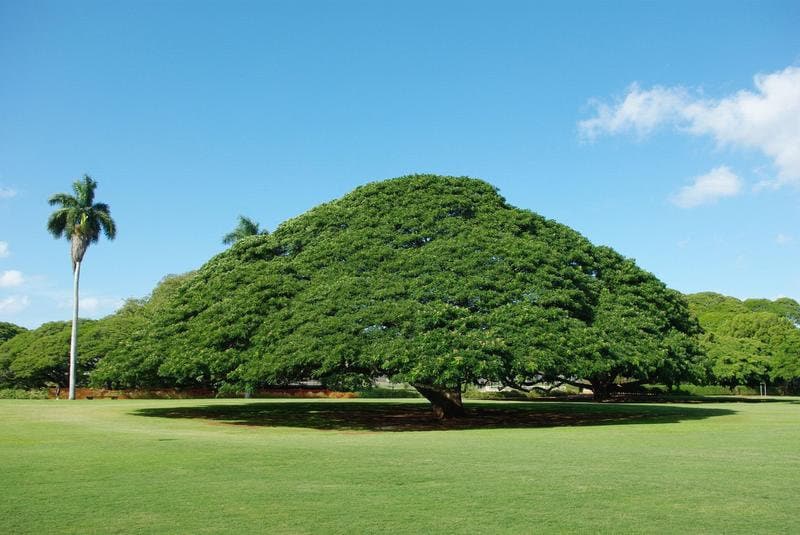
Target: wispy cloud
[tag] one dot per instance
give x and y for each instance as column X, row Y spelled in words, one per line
column 13, row 304
column 640, row 111
column 765, row 119
column 95, row 305
column 783, row 239
column 7, row 193
column 4, row 250
column 718, row 183
column 90, row 305
column 11, row 278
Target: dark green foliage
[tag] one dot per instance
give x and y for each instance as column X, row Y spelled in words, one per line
column 9, row 330
column 639, row 331
column 428, row 280
column 751, row 341
column 40, row 357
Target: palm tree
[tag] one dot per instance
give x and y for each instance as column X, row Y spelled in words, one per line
column 80, row 220
column 246, row 227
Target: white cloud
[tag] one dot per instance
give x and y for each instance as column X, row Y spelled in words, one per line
column 11, row 278
column 100, row 305
column 640, row 111
column 7, row 193
column 91, row 305
column 767, row 119
column 13, row 304
column 717, row 183
column 783, row 239
column 4, row 252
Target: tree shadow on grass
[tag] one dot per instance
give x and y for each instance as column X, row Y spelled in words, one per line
column 377, row 416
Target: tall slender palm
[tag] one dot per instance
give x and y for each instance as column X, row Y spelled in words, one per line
column 246, row 227
column 80, row 220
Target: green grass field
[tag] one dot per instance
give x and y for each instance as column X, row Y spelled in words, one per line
column 286, row 466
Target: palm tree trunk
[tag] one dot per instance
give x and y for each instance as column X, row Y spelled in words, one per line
column 73, row 345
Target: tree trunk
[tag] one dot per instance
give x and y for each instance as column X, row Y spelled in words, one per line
column 73, row 345
column 444, row 403
column 600, row 391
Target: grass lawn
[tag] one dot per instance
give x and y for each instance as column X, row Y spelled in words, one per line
column 287, row 466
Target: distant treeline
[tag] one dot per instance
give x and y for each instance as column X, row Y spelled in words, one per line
column 749, row 342
column 745, row 343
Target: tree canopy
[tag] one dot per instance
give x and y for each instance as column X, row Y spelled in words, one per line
column 40, row 357
column 434, row 281
column 750, row 341
column 9, row 330
column 132, row 359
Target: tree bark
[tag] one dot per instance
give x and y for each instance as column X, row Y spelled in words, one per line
column 444, row 403
column 73, row 344
column 78, row 246
column 600, row 390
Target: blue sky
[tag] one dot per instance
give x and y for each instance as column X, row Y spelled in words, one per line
column 669, row 131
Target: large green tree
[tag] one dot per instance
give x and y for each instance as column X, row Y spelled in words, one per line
column 434, row 281
column 80, row 220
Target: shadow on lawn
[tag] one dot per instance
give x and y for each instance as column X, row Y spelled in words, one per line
column 346, row 416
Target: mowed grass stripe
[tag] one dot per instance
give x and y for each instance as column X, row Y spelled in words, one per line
column 104, row 467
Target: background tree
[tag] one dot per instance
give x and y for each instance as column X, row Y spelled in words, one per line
column 783, row 306
column 246, row 227
column 39, row 358
column 433, row 281
column 80, row 220
column 751, row 341
column 9, row 330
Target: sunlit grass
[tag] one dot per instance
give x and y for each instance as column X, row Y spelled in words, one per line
column 209, row 466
